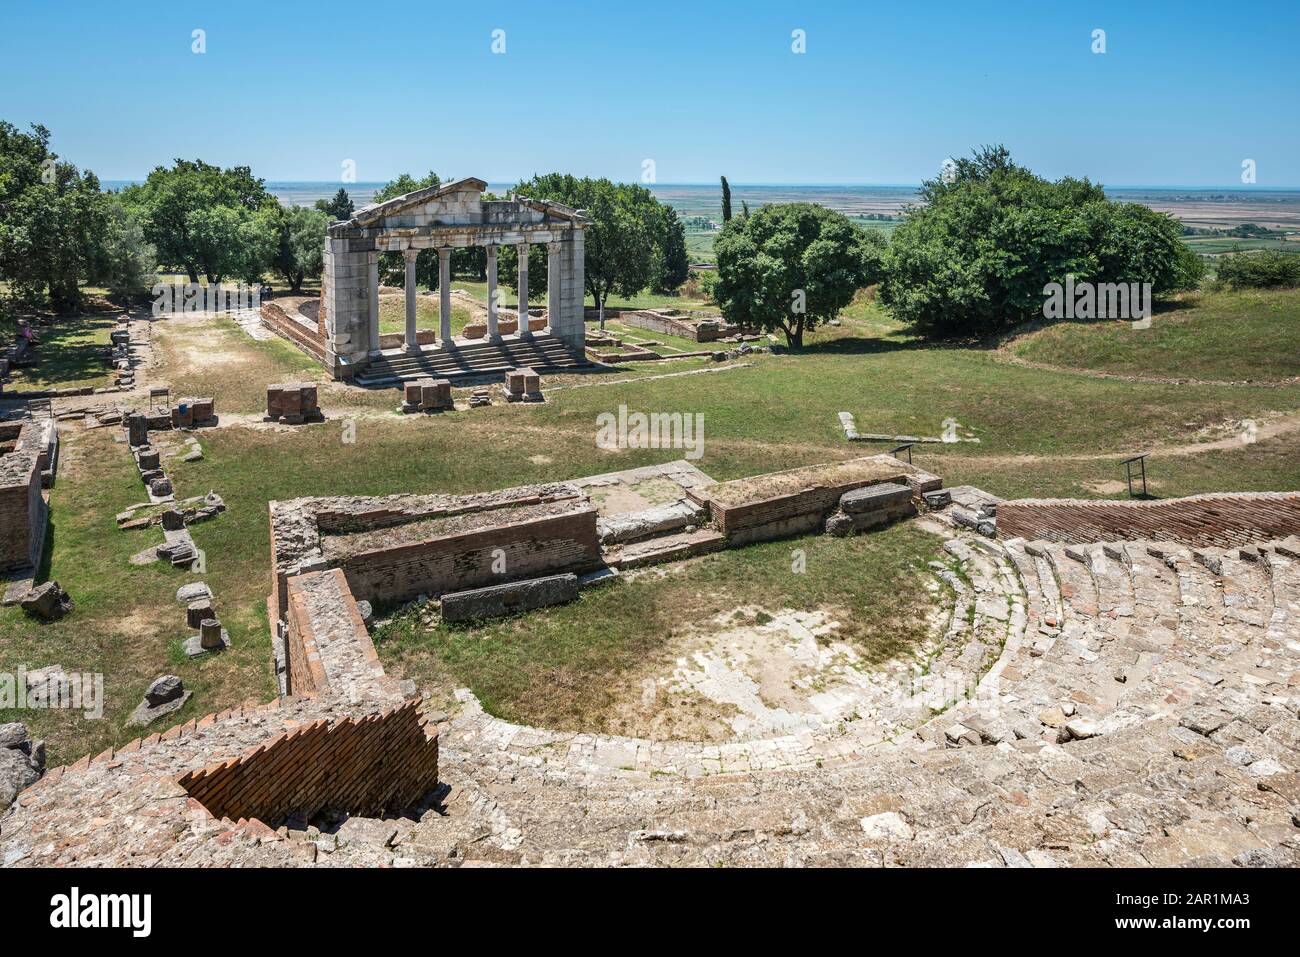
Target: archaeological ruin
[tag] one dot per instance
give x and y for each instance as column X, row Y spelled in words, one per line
column 444, row 218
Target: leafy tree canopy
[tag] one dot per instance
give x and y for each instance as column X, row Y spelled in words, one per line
column 192, row 211
column 975, row 259
column 792, row 266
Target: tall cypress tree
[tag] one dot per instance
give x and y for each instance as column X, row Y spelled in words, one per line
column 726, row 200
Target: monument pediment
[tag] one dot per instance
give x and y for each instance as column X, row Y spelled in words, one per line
column 458, row 203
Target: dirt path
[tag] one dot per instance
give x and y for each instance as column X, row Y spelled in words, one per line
column 1004, row 354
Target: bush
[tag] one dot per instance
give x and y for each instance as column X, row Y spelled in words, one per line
column 975, row 259
column 1262, row 270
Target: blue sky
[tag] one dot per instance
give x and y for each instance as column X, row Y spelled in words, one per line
column 1183, row 94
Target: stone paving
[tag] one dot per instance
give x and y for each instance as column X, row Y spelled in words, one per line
column 1120, row 704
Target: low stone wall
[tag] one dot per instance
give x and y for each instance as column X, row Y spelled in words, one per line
column 302, row 335
column 504, row 548
column 798, row 501
column 365, row 765
column 327, row 647
column 433, row 543
column 1219, row 519
column 22, row 507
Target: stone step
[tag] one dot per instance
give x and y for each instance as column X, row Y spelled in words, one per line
column 1284, row 576
column 1155, row 587
column 1074, row 579
column 1037, row 607
column 668, row 548
column 1247, row 589
column 1111, row 577
column 1200, row 609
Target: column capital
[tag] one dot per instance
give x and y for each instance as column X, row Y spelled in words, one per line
column 444, row 252
column 410, row 254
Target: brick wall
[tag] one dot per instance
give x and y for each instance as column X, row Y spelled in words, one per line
column 544, row 546
column 1218, row 519
column 364, row 765
column 279, row 322
column 22, row 507
column 326, row 642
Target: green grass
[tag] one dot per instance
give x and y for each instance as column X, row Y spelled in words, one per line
column 74, row 353
column 565, row 667
column 1043, row 432
column 392, row 314
column 1249, row 334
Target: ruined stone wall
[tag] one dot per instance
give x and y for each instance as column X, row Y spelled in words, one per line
column 363, row 765
column 326, row 642
column 1219, row 519
column 567, row 542
column 278, row 321
column 797, row 501
column 22, row 507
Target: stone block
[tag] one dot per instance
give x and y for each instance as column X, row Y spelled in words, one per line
column 147, row 458
column 871, row 498
column 137, row 429
column 511, row 598
column 197, row 611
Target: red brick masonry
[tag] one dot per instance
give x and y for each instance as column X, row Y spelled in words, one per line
column 362, row 765
column 1222, row 520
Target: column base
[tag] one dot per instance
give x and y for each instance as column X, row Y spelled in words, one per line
column 411, row 347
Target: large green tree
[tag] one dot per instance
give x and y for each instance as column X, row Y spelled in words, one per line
column 301, row 248
column 130, row 261
column 624, row 234
column 192, row 212
column 338, row 208
column 54, row 221
column 670, row 267
column 792, row 266
column 975, row 258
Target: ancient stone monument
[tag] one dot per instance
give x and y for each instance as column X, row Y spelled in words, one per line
column 444, row 218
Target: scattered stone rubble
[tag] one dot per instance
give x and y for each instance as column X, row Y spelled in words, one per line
column 165, row 695
column 22, row 762
column 47, row 602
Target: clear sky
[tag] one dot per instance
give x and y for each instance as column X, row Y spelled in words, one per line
column 885, row 91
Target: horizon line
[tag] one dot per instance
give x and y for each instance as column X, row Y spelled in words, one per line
column 1241, row 187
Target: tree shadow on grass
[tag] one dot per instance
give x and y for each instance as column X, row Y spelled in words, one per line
column 66, row 355
column 860, row 345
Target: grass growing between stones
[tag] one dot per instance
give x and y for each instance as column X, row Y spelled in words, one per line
column 1251, row 334
column 127, row 624
column 567, row 667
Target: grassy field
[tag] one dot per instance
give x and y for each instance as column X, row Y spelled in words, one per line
column 1043, row 432
column 564, row 667
column 1249, row 334
column 74, row 353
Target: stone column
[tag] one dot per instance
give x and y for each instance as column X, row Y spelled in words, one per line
column 411, row 344
column 492, row 334
column 552, row 286
column 373, row 282
column 524, row 331
column 444, row 295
